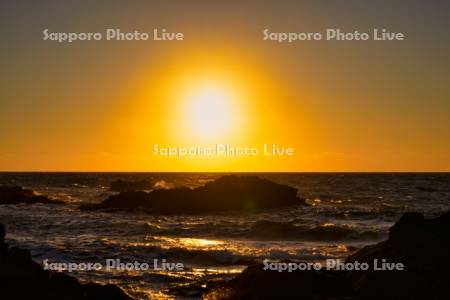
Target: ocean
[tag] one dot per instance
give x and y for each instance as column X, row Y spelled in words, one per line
column 344, row 212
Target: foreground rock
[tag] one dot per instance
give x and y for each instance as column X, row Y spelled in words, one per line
column 17, row 194
column 124, row 185
column 22, row 278
column 228, row 193
column 421, row 245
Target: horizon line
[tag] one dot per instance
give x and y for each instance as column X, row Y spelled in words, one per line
column 237, row 172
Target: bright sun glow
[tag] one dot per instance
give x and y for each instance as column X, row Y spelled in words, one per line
column 210, row 112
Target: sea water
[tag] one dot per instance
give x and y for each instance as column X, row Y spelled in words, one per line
column 344, row 211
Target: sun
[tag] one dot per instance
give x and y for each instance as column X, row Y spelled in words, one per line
column 210, row 112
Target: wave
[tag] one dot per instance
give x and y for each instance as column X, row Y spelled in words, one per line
column 195, row 256
column 269, row 230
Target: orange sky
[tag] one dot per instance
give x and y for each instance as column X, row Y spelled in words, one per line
column 342, row 106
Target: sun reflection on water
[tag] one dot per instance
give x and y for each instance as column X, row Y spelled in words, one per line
column 192, row 243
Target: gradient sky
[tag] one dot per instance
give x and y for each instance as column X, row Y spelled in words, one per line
column 343, row 106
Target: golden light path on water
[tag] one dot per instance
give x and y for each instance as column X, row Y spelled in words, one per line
column 251, row 249
column 235, row 247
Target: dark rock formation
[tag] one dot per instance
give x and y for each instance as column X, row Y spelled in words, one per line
column 17, row 194
column 22, row 278
column 422, row 245
column 124, row 185
column 228, row 193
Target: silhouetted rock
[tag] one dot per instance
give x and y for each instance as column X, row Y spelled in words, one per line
column 228, row 193
column 17, row 194
column 124, row 185
column 422, row 245
column 22, row 278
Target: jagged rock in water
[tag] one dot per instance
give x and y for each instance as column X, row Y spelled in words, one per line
column 228, row 193
column 422, row 246
column 17, row 194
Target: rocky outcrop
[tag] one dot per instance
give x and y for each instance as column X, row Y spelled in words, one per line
column 228, row 193
column 421, row 245
column 17, row 195
column 22, row 278
column 124, row 185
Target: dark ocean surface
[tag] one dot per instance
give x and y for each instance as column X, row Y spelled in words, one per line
column 345, row 211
